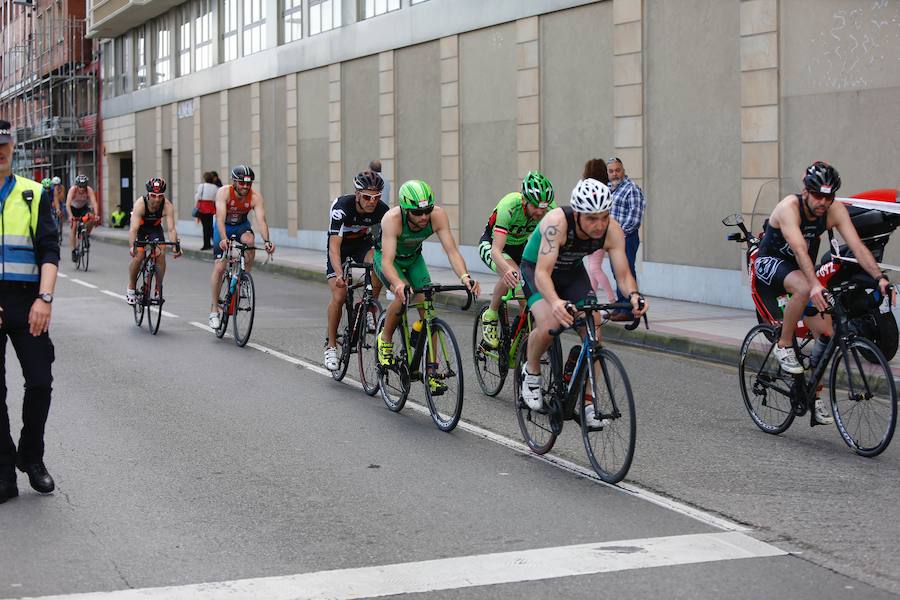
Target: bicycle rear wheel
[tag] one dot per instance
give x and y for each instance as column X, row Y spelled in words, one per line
column 344, row 339
column 609, row 447
column 244, row 309
column 139, row 294
column 393, row 380
column 536, row 426
column 766, row 389
column 863, row 397
column 491, row 364
column 367, row 349
column 154, row 310
column 444, row 381
column 224, row 304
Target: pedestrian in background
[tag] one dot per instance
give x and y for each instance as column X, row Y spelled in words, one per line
column 28, row 265
column 206, row 207
column 375, row 165
column 216, row 181
column 596, row 169
column 628, row 209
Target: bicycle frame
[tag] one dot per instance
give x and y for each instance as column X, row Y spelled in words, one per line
column 366, row 284
column 231, row 274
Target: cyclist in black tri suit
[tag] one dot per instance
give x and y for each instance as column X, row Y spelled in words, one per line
column 147, row 218
column 554, row 274
column 784, row 264
column 353, row 218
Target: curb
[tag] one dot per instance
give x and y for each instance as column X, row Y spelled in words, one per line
column 639, row 338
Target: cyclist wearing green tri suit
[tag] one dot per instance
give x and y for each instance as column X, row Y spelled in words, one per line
column 398, row 253
column 504, row 238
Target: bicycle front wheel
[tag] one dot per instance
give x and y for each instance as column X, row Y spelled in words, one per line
column 343, row 340
column 536, row 426
column 139, row 293
column 765, row 387
column 491, row 364
column 367, row 349
column 863, row 397
column 610, row 445
column 244, row 309
column 443, row 376
column 224, row 304
column 154, row 309
column 393, row 379
column 84, row 253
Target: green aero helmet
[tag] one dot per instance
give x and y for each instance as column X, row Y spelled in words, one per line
column 47, row 182
column 415, row 194
column 537, row 189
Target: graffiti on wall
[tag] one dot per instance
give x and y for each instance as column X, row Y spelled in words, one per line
column 858, row 46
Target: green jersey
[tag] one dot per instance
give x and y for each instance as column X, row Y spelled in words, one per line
column 409, row 242
column 509, row 217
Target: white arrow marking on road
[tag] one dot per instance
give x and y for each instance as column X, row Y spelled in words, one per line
column 84, row 283
column 466, row 571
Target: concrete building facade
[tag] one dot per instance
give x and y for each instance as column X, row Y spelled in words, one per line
column 713, row 107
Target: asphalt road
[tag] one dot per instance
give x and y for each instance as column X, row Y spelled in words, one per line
column 181, row 459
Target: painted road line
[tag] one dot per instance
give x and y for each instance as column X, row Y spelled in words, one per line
column 551, row 459
column 113, row 294
column 84, row 283
column 63, row 275
column 467, row 571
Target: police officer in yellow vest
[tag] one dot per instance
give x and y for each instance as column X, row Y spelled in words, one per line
column 29, row 255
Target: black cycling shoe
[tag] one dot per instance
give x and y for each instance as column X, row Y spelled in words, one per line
column 38, row 477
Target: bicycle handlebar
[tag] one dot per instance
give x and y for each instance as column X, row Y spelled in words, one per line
column 589, row 308
column 430, row 290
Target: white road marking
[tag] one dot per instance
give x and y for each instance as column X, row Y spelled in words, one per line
column 63, row 275
column 84, row 283
column 113, row 294
column 466, row 571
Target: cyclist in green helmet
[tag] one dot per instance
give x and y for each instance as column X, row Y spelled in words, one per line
column 47, row 183
column 398, row 253
column 504, row 238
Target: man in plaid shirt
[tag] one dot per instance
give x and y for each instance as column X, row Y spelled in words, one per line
column 628, row 210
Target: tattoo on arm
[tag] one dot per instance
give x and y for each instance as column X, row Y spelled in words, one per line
column 550, row 233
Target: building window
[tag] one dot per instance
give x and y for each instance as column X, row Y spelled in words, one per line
column 140, row 56
column 107, row 71
column 184, row 39
column 254, row 26
column 293, row 20
column 162, row 52
column 416, row 1
column 230, row 29
column 203, row 46
column 379, row 7
column 324, row 15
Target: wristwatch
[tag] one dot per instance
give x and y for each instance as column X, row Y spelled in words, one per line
column 46, row 297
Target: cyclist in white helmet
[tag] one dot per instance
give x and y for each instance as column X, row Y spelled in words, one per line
column 554, row 274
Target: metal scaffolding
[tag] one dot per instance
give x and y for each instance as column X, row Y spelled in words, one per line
column 49, row 92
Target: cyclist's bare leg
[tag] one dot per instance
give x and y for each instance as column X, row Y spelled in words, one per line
column 820, row 325
column 248, row 239
column 72, row 226
column 392, row 318
column 376, row 283
column 540, row 339
column 133, row 267
column 797, row 285
column 338, row 296
column 216, row 283
column 501, row 288
column 160, row 268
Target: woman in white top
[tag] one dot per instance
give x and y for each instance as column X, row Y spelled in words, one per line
column 206, row 207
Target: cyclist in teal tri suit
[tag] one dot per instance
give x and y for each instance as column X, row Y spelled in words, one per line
column 398, row 257
column 504, row 238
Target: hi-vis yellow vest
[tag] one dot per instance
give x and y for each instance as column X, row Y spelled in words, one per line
column 18, row 226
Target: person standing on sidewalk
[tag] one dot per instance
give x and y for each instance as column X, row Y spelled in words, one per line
column 628, row 210
column 206, row 207
column 29, row 255
column 595, row 169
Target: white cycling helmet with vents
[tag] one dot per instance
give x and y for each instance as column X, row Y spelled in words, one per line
column 590, row 196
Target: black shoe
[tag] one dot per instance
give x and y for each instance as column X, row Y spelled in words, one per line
column 8, row 487
column 74, row 255
column 38, row 477
column 206, row 248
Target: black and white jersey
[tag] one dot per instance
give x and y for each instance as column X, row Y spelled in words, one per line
column 351, row 224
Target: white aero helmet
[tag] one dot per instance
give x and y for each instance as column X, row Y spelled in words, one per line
column 57, row 181
column 590, row 196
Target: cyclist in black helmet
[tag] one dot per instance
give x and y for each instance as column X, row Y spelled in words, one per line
column 785, row 263
column 353, row 218
column 80, row 202
column 151, row 212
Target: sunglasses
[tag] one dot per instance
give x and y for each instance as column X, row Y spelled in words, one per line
column 821, row 196
column 370, row 197
column 418, row 212
column 155, row 195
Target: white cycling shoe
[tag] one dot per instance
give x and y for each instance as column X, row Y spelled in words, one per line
column 788, row 360
column 130, row 296
column 531, row 389
column 214, row 320
column 331, row 358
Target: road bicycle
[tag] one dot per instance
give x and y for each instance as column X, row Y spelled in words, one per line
column 430, row 355
column 597, row 377
column 861, row 384
column 237, row 295
column 492, row 365
column 357, row 329
column 148, row 290
column 82, row 244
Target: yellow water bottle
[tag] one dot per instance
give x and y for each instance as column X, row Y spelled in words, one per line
column 414, row 334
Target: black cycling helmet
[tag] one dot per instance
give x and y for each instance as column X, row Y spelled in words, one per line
column 156, row 185
column 368, row 180
column 822, row 178
column 243, row 173
column 81, row 181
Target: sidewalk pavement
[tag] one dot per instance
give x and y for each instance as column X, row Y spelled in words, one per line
column 692, row 329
